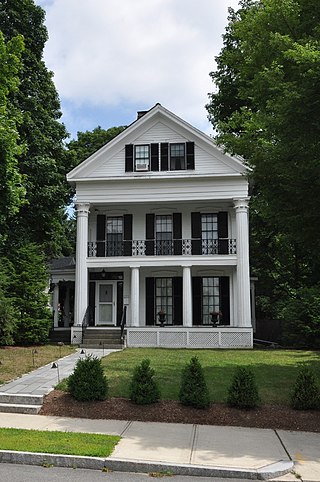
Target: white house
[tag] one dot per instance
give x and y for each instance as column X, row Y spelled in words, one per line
column 162, row 231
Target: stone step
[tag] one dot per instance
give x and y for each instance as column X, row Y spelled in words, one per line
column 20, row 399
column 19, row 408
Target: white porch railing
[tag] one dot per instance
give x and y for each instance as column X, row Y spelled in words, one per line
column 195, row 337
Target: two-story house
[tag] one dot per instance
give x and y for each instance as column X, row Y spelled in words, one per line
column 162, row 231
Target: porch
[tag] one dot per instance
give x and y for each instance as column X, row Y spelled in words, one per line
column 220, row 337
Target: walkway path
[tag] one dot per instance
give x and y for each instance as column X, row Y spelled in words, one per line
column 42, row 380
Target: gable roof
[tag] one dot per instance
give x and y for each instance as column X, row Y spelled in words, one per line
column 157, row 113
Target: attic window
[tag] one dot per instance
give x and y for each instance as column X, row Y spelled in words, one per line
column 177, row 157
column 142, row 157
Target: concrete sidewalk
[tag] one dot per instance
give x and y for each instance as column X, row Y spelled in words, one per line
column 184, row 449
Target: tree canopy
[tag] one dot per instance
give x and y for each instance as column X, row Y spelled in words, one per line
column 266, row 109
column 43, row 164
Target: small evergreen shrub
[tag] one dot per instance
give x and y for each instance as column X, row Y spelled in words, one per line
column 305, row 393
column 193, row 389
column 243, row 391
column 143, row 387
column 88, row 381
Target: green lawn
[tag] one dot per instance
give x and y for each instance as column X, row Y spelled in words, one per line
column 86, row 444
column 15, row 361
column 275, row 370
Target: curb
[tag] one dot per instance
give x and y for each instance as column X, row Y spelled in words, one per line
column 123, row 465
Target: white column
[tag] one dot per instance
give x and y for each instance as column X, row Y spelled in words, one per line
column 243, row 272
column 55, row 305
column 135, row 296
column 187, row 297
column 81, row 284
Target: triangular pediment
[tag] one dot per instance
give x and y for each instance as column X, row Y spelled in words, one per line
column 156, row 126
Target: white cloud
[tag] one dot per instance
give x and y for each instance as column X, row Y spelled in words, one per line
column 116, row 52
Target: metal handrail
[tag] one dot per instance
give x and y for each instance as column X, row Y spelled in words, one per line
column 85, row 322
column 123, row 321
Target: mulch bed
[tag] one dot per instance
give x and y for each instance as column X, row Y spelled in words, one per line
column 59, row 403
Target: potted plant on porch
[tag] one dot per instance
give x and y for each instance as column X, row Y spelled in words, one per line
column 216, row 317
column 161, row 317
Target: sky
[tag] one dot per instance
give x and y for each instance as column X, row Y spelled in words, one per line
column 112, row 58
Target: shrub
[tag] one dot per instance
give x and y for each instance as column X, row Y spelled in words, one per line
column 193, row 388
column 243, row 391
column 143, row 387
column 305, row 392
column 88, row 381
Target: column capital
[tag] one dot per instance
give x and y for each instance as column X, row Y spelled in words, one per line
column 82, row 209
column 242, row 204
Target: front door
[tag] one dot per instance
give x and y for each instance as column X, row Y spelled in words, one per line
column 106, row 303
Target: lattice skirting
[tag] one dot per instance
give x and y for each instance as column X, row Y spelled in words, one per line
column 183, row 337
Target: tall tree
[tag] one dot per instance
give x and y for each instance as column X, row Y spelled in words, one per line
column 11, row 189
column 44, row 162
column 266, row 109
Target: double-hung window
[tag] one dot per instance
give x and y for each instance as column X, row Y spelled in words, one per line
column 114, row 227
column 210, row 298
column 209, row 233
column 164, row 243
column 164, row 298
column 142, row 157
column 178, row 157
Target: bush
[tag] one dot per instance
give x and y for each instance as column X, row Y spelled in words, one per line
column 305, row 392
column 88, row 381
column 300, row 317
column 143, row 387
column 193, row 388
column 243, row 391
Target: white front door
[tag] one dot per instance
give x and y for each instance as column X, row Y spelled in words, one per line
column 106, row 312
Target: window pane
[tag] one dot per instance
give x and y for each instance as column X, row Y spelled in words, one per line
column 142, row 156
column 177, row 156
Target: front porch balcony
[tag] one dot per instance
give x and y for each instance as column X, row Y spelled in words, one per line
column 184, row 247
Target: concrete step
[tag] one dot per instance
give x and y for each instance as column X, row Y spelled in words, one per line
column 99, row 347
column 20, row 403
column 21, row 398
column 99, row 341
column 17, row 408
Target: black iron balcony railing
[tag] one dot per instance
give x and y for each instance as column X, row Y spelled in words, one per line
column 184, row 247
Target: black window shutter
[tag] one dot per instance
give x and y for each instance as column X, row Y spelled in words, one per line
column 224, row 282
column 129, row 158
column 196, row 233
column 150, row 301
column 190, row 155
column 223, row 232
column 150, row 234
column 197, row 300
column 177, row 233
column 154, row 157
column 177, row 300
column 164, row 156
column 127, row 234
column 92, row 302
column 101, row 235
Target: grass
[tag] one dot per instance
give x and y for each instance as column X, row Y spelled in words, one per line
column 275, row 370
column 70, row 443
column 15, row 361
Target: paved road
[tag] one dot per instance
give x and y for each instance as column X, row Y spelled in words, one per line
column 28, row 473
